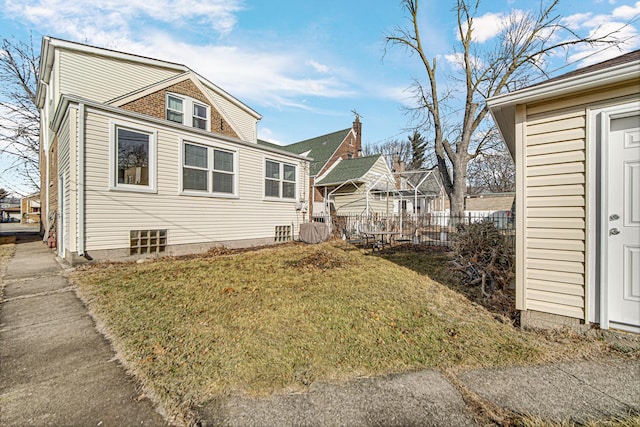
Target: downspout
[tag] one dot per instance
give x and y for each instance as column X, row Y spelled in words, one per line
column 47, row 192
column 400, row 211
column 81, row 130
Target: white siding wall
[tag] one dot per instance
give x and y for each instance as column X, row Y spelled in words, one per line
column 100, row 78
column 64, row 170
column 245, row 124
column 189, row 219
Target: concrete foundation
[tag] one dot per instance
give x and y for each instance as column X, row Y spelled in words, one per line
column 123, row 254
column 540, row 320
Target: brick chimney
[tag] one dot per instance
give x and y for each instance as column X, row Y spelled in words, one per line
column 357, row 128
column 399, row 167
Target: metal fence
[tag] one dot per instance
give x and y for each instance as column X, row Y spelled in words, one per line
column 433, row 228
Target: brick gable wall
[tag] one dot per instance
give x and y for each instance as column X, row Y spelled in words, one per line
column 154, row 105
column 348, row 146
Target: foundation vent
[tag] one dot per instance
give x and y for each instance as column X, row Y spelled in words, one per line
column 147, row 241
column 283, row 233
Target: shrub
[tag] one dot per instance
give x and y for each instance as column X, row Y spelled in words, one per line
column 485, row 255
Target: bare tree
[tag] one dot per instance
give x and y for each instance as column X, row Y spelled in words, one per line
column 3, row 193
column 525, row 42
column 390, row 149
column 492, row 172
column 19, row 115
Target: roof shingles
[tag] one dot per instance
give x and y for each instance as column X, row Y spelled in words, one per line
column 351, row 169
column 320, row 148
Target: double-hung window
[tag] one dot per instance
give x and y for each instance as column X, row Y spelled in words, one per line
column 187, row 111
column 208, row 170
column 200, row 114
column 133, row 159
column 280, row 180
column 175, row 109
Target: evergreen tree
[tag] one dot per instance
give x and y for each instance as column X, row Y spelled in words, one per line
column 418, row 151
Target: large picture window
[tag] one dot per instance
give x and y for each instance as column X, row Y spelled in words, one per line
column 187, row 111
column 280, row 180
column 208, row 170
column 133, row 159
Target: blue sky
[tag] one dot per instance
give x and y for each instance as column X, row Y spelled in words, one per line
column 303, row 65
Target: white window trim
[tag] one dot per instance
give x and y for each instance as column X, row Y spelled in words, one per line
column 188, row 111
column 113, row 157
column 596, row 298
column 210, row 148
column 281, row 180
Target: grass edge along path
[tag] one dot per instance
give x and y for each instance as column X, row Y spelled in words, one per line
column 7, row 249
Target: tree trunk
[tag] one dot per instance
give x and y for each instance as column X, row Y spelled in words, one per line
column 456, row 196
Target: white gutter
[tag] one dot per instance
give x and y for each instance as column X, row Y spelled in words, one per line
column 562, row 86
column 81, row 169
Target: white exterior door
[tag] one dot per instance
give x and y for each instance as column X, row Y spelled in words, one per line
column 621, row 225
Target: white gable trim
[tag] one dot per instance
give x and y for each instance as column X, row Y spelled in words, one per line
column 189, row 75
column 50, row 45
column 502, row 107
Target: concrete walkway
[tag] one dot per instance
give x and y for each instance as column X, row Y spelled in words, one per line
column 56, row 370
column 569, row 392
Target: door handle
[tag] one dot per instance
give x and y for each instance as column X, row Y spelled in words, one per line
column 614, row 232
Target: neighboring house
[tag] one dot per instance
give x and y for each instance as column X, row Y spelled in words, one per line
column 10, row 210
column 575, row 140
column 324, row 151
column 142, row 156
column 419, row 191
column 30, row 209
column 489, row 202
column 360, row 185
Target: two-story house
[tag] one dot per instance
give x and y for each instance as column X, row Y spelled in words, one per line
column 144, row 157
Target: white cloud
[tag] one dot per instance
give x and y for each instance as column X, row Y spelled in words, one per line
column 489, row 25
column 123, row 14
column 320, row 68
column 611, row 26
column 266, row 134
column 457, row 61
column 575, row 21
column 258, row 76
column 627, row 12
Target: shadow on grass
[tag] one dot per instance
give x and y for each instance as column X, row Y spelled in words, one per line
column 435, row 262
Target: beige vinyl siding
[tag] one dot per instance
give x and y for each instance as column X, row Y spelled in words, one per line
column 555, row 209
column 355, row 203
column 556, row 205
column 189, row 219
column 245, row 124
column 100, row 78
